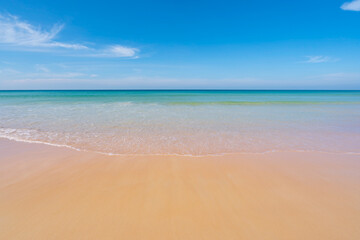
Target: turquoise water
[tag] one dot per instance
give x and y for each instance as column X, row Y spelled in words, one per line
column 185, row 122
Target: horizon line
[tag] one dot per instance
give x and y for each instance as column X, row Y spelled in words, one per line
column 180, row 89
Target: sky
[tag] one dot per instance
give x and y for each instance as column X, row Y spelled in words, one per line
column 308, row 44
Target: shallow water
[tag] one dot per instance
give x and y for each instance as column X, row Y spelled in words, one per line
column 185, row 122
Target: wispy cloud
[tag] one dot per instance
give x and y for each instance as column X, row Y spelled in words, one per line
column 16, row 32
column 351, row 6
column 121, row 51
column 320, row 59
column 114, row 51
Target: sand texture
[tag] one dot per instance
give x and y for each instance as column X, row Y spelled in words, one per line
column 57, row 193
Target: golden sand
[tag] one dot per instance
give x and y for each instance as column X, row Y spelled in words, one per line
column 56, row 193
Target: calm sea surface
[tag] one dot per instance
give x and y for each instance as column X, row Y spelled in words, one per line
column 185, row 122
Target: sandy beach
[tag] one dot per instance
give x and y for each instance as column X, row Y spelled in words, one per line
column 57, row 193
column 179, row 120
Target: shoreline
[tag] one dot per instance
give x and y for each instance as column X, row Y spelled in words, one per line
column 51, row 192
column 170, row 154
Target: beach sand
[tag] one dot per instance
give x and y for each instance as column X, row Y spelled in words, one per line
column 57, row 193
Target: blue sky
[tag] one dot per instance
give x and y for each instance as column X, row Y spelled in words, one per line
column 180, row 44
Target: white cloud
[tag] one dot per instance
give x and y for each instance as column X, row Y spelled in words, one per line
column 19, row 33
column 351, row 6
column 115, row 51
column 15, row 32
column 121, row 51
column 319, row 59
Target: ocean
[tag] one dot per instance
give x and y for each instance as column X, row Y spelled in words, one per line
column 184, row 122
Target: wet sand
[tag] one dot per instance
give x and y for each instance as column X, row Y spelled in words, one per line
column 57, row 193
